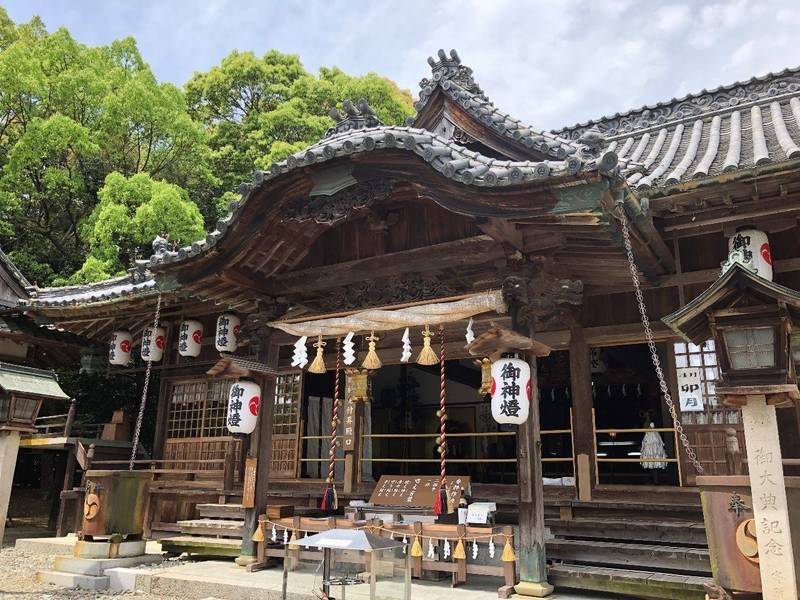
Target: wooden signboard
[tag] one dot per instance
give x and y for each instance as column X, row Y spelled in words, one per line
column 348, row 433
column 402, row 490
column 249, row 485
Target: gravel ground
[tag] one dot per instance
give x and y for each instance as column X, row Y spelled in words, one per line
column 18, row 580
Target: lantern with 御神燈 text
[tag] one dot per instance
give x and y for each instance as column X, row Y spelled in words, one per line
column 190, row 338
column 511, row 390
column 228, row 326
column 119, row 348
column 153, row 339
column 244, row 399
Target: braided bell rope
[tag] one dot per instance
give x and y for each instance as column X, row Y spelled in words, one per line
column 335, row 414
column 442, row 414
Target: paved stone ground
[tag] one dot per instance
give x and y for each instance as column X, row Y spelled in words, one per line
column 216, row 580
column 18, row 580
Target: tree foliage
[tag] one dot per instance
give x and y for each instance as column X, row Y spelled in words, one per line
column 97, row 156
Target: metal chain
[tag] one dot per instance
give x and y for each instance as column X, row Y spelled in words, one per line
column 648, row 332
column 137, row 431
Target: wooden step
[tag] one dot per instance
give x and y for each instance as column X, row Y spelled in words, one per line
column 211, row 527
column 199, row 545
column 221, row 511
column 683, row 533
column 627, row 555
column 641, row 584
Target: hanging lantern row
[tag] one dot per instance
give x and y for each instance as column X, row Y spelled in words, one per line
column 190, row 340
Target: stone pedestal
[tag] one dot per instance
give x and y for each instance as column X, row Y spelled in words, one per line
column 770, row 509
column 9, row 445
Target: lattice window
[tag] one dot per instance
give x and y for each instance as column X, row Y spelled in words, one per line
column 285, row 426
column 286, row 404
column 197, row 409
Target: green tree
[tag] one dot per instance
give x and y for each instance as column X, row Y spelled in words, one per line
column 69, row 116
column 131, row 212
column 260, row 110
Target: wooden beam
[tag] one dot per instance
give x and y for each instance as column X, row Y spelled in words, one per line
column 476, row 250
column 502, row 231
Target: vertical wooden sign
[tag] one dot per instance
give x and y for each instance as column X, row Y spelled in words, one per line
column 249, row 485
column 349, row 430
column 770, row 509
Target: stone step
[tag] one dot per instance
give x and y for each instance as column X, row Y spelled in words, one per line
column 640, row 584
column 683, row 533
column 73, row 580
column 221, row 511
column 627, row 555
column 199, row 545
column 211, row 527
column 98, row 566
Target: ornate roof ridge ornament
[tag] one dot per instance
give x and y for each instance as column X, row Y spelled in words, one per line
column 450, row 67
column 353, row 117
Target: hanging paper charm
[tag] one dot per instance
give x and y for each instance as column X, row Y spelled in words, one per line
column 285, row 536
column 274, row 535
column 511, row 390
column 228, row 327
column 430, row 548
column 474, row 550
column 244, row 399
column 491, row 547
column 119, row 349
column 153, row 339
column 190, row 338
column 300, row 356
column 446, row 553
column 406, row 356
column 470, row 335
column 348, row 353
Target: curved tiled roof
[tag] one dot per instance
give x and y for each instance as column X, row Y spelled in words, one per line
column 456, row 81
column 445, row 156
column 731, row 128
column 135, row 283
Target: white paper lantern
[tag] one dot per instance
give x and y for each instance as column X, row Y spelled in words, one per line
column 153, row 339
column 190, row 338
column 244, row 400
column 228, row 326
column 119, row 349
column 754, row 244
column 511, row 390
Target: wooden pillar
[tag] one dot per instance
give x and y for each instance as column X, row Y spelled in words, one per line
column 162, row 416
column 531, row 550
column 73, row 405
column 69, row 482
column 580, row 373
column 261, row 449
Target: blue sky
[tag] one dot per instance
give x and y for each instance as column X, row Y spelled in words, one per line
column 551, row 63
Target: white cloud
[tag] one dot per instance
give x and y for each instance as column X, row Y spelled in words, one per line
column 549, row 63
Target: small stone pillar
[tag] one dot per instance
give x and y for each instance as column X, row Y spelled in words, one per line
column 770, row 509
column 9, row 445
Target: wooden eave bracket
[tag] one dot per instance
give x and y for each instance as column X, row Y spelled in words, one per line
column 498, row 340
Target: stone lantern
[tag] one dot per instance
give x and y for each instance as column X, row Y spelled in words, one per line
column 750, row 531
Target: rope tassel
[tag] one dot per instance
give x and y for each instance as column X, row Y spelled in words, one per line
column 460, row 553
column 508, row 552
column 416, row 548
